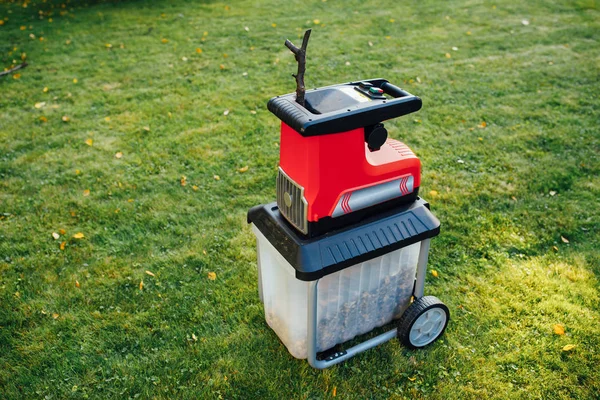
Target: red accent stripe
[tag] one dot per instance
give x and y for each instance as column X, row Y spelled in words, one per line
column 348, row 202
column 403, row 186
column 345, row 203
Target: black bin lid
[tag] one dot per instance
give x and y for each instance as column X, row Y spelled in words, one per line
column 313, row 258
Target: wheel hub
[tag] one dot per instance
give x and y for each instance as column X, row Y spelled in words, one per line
column 427, row 327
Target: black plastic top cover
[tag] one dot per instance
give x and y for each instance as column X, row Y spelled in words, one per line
column 313, row 258
column 343, row 107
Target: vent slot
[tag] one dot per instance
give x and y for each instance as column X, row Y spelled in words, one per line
column 291, row 202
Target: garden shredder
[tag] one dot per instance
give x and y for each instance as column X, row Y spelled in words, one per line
column 343, row 250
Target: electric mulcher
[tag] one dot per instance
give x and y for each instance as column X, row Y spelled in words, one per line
column 344, row 248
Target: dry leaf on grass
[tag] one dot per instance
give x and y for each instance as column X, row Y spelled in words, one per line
column 212, row 276
column 434, row 273
column 55, row 315
column 62, row 231
column 568, row 347
column 243, row 169
column 118, row 154
column 149, row 273
column 77, row 284
column 86, row 193
column 78, row 235
column 141, row 285
column 564, row 239
column 89, row 142
column 559, row 329
column 62, row 245
column 55, row 235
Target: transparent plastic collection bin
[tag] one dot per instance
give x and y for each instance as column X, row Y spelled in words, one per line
column 350, row 302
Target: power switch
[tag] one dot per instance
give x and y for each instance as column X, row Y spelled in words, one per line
column 376, row 90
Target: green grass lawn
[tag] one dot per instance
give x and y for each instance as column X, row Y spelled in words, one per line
column 154, row 107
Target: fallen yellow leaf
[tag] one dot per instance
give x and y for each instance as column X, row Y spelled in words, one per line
column 75, row 80
column 118, row 154
column 55, row 315
column 334, row 392
column 45, row 90
column 569, row 347
column 55, row 235
column 164, row 40
column 141, row 285
column 555, row 248
column 195, row 188
column 40, row 104
column 482, row 125
column 316, row 21
column 77, row 284
column 412, row 379
column 149, row 273
column 108, row 46
column 243, row 169
column 62, row 231
column 198, row 50
column 183, row 181
column 86, row 192
column 559, row 329
column 212, row 276
column 89, row 142
column 78, row 235
column 62, row 245
column 217, row 177
column 17, row 76
column 433, row 193
column 107, row 119
column 274, row 25
column 65, row 118
column 146, row 128
column 448, row 55
column 564, row 239
column 43, row 119
column 434, row 273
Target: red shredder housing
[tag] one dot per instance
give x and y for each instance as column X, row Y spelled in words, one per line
column 337, row 165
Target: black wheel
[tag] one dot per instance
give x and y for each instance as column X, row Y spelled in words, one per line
column 423, row 322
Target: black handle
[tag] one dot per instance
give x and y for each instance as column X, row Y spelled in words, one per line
column 393, row 90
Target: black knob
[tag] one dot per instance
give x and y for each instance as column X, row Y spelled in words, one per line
column 375, row 136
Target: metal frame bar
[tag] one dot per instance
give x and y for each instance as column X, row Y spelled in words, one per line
column 421, row 268
column 359, row 348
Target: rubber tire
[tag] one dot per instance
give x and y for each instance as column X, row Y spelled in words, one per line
column 413, row 312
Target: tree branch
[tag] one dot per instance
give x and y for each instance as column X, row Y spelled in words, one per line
column 300, row 54
column 13, row 69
